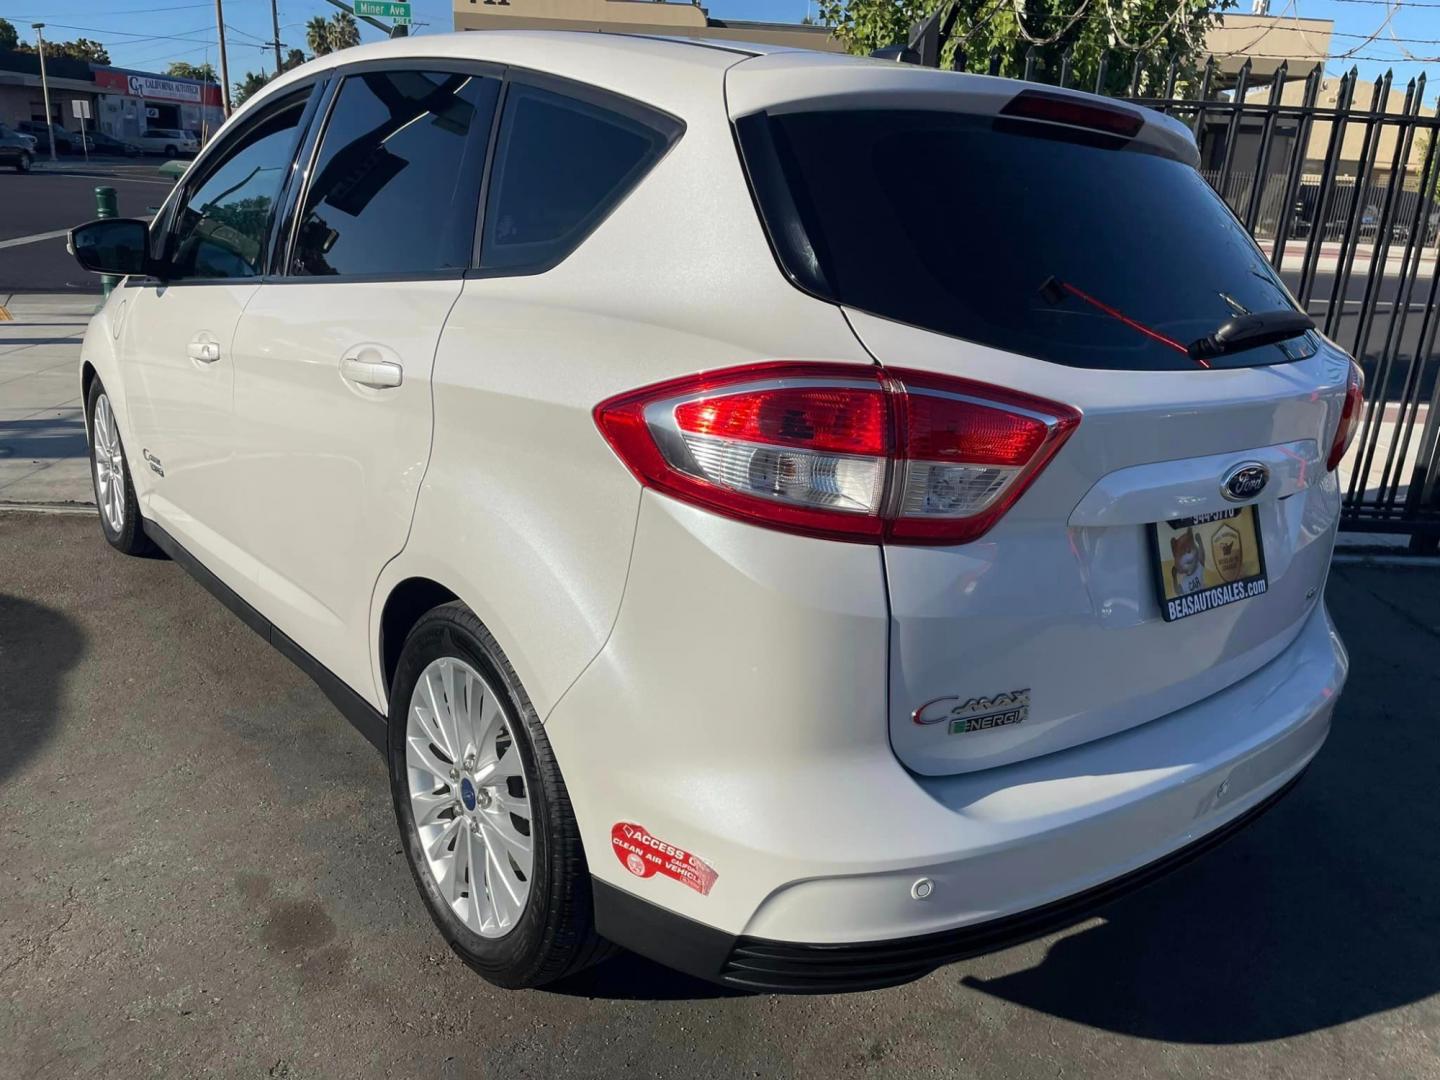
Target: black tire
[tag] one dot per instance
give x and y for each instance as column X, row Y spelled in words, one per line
column 130, row 538
column 171, row 152
column 555, row 933
column 22, row 163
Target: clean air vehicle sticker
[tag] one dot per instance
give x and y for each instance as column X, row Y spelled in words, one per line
column 644, row 856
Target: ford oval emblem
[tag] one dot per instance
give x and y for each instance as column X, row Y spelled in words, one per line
column 1245, row 481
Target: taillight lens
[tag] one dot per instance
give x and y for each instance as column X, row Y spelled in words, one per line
column 1349, row 416
column 838, row 450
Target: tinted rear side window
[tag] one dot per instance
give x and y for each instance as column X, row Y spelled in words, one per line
column 561, row 165
column 989, row 232
column 397, row 180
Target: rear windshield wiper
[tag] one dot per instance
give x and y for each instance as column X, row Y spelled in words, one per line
column 1053, row 290
column 1250, row 331
column 1242, row 332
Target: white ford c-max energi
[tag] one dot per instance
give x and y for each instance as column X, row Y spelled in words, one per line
column 801, row 518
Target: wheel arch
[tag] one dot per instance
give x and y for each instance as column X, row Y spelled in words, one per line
column 88, row 375
column 406, row 603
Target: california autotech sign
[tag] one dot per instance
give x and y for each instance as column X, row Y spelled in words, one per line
column 155, row 87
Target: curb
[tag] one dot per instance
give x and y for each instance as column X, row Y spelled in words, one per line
column 80, row 509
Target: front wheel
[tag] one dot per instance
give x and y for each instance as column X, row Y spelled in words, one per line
column 110, row 472
column 484, row 816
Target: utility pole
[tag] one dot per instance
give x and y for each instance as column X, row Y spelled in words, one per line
column 275, row 23
column 224, row 63
column 39, row 29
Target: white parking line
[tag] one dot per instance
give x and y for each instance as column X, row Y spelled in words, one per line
column 35, row 239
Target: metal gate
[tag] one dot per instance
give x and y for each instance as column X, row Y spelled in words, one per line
column 1344, row 199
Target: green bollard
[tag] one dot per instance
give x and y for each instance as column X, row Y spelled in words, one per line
column 106, row 207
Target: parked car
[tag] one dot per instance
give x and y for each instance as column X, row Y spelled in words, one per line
column 66, row 142
column 16, row 150
column 109, row 144
column 171, row 142
column 735, row 559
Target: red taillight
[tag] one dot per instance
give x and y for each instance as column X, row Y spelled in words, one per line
column 1349, row 416
column 842, row 451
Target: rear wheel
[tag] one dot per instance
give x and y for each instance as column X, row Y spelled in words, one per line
column 114, row 491
column 22, row 163
column 483, row 812
column 171, row 152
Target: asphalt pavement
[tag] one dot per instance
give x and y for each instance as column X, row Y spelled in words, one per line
column 199, row 875
column 52, row 200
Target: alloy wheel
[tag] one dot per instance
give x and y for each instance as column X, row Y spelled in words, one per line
column 109, row 461
column 469, row 796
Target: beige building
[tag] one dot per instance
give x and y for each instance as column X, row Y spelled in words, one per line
column 632, row 17
column 1267, row 41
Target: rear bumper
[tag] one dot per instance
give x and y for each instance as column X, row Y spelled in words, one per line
column 760, row 964
column 754, row 741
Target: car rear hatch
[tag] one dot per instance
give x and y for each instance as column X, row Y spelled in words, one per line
column 1064, row 247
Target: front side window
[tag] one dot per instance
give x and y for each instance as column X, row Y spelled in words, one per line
column 561, row 165
column 222, row 224
column 397, row 179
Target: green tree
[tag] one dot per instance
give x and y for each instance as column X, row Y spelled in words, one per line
column 344, row 32
column 250, row 84
column 317, row 35
column 181, row 70
column 8, row 37
column 1155, row 30
column 293, row 59
column 79, row 49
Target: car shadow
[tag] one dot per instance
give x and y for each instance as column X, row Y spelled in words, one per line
column 38, row 648
column 56, row 437
column 630, row 977
column 1322, row 912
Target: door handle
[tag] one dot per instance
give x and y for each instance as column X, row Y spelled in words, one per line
column 207, row 352
column 376, row 374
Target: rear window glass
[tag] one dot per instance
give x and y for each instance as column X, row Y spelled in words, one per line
column 561, row 165
column 998, row 233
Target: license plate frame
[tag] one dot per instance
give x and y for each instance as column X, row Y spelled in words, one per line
column 1226, row 573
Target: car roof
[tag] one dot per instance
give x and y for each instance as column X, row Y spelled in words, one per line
column 672, row 73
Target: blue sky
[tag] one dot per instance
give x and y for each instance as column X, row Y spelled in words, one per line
column 149, row 36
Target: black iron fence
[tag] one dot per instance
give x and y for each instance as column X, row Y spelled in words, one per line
column 1339, row 183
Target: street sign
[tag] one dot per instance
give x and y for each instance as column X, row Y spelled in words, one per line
column 81, row 109
column 399, row 10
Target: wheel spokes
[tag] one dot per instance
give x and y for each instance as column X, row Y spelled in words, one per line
column 474, row 819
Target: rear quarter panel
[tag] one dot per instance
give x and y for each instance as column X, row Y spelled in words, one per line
column 524, row 512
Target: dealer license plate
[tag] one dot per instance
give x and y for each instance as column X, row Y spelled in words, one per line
column 1206, row 562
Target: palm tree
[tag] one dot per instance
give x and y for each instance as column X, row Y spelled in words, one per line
column 252, row 83
column 317, row 35
column 343, row 31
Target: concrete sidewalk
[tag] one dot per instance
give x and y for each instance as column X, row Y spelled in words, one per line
column 42, row 420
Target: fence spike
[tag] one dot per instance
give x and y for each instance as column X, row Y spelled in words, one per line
column 1065, row 59
column 1135, row 75
column 1029, row 75
column 959, row 60
column 1171, row 75
column 995, row 57
column 1101, row 72
column 1277, row 88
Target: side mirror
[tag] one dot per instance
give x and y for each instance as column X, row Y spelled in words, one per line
column 112, row 246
